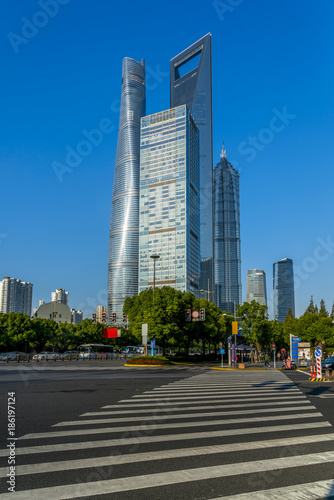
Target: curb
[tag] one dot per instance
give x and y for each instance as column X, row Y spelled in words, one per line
column 146, row 366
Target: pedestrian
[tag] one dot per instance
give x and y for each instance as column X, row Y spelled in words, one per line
column 266, row 360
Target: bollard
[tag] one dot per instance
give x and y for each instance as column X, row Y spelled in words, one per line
column 7, row 358
column 18, row 358
column 28, row 358
column 77, row 356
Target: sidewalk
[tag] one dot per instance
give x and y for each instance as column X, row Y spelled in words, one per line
column 257, row 366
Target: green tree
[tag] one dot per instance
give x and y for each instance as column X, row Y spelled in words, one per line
column 256, row 326
column 323, row 311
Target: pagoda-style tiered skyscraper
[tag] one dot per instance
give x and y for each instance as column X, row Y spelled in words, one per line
column 227, row 235
column 124, row 224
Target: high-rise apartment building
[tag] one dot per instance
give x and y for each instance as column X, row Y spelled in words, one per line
column 169, row 224
column 283, row 293
column 60, row 295
column 76, row 316
column 124, row 223
column 227, row 236
column 100, row 310
column 15, row 296
column 191, row 84
column 256, row 286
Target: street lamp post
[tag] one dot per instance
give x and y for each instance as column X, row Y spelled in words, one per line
column 207, row 291
column 154, row 257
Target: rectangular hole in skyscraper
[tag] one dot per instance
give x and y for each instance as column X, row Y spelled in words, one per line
column 187, row 66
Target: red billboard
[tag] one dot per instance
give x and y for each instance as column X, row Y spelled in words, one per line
column 109, row 333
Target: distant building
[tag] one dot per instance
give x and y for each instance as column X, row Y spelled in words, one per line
column 60, row 313
column 58, row 309
column 169, row 212
column 283, row 293
column 227, row 235
column 100, row 310
column 60, row 296
column 15, row 296
column 76, row 316
column 256, row 286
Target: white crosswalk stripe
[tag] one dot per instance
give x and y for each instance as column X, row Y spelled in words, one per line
column 203, row 431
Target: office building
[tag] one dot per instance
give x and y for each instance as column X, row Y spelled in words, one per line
column 124, row 223
column 15, row 296
column 191, row 84
column 227, row 236
column 60, row 295
column 256, row 286
column 169, row 201
column 283, row 293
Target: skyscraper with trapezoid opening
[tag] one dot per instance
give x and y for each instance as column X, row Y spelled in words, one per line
column 191, row 84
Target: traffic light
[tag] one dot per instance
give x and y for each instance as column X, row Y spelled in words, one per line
column 188, row 315
column 202, row 314
column 114, row 317
column 125, row 318
column 103, row 317
column 94, row 318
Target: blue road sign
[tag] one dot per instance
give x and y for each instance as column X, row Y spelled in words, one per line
column 221, row 351
column 296, row 339
column 318, row 353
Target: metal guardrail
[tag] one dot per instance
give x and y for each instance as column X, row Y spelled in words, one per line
column 71, row 357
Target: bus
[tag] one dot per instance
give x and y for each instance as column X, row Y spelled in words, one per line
column 96, row 351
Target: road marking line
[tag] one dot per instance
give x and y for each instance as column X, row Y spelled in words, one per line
column 164, row 402
column 152, row 424
column 168, row 478
column 171, row 392
column 182, row 397
column 146, row 439
column 213, row 413
column 201, row 407
column 304, row 491
column 46, row 467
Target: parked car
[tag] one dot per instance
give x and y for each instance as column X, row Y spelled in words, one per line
column 69, row 354
column 328, row 363
column 13, row 356
column 43, row 355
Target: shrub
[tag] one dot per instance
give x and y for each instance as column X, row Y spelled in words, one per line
column 148, row 360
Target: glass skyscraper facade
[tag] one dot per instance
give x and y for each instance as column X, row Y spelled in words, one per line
column 169, row 224
column 191, row 84
column 124, row 224
column 256, row 286
column 283, row 293
column 227, row 236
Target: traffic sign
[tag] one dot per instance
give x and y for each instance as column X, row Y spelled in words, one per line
column 221, row 351
column 318, row 353
column 195, row 315
column 296, row 339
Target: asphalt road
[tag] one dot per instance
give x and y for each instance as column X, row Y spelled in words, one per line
column 103, row 431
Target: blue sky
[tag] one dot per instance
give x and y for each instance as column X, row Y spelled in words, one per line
column 272, row 105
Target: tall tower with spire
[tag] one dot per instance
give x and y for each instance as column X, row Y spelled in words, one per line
column 227, row 235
